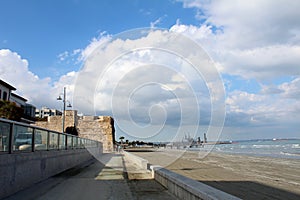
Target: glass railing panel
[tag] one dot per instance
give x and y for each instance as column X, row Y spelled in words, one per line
column 24, row 136
column 22, row 140
column 70, row 142
column 87, row 144
column 4, row 136
column 81, row 143
column 40, row 139
column 84, row 142
column 53, row 140
column 75, row 142
column 62, row 141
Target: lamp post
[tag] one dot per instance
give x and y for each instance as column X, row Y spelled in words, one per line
column 64, row 108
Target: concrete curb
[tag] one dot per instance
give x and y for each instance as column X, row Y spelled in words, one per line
column 186, row 188
column 140, row 162
column 181, row 186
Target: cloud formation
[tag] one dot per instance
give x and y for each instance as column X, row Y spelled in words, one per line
column 152, row 78
column 39, row 91
column 255, row 40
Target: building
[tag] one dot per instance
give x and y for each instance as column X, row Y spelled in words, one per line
column 7, row 95
column 46, row 112
column 5, row 90
column 20, row 101
column 29, row 110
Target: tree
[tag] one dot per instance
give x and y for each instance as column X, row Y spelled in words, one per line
column 122, row 138
column 10, row 110
column 72, row 130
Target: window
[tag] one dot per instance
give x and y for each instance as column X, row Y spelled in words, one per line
column 5, row 96
column 0, row 93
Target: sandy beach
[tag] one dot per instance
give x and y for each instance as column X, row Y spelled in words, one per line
column 246, row 177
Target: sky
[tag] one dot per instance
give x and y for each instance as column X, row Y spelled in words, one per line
column 162, row 69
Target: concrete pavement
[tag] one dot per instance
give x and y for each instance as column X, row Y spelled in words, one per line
column 94, row 180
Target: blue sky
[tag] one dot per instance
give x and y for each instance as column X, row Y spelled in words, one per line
column 60, row 26
column 45, row 45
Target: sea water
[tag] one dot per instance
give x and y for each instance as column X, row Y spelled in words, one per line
column 287, row 148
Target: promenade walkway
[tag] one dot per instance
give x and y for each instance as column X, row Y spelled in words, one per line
column 94, row 180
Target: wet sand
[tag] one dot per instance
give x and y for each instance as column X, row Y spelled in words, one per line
column 246, row 177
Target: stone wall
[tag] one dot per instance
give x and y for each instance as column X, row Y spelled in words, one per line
column 99, row 128
column 55, row 122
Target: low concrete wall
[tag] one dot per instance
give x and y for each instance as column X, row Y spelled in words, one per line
column 181, row 186
column 186, row 188
column 21, row 170
column 142, row 163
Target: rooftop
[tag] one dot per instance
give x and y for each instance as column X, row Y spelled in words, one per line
column 7, row 85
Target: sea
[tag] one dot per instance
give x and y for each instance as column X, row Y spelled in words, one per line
column 278, row 148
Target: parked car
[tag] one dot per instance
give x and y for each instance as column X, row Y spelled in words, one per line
column 26, row 138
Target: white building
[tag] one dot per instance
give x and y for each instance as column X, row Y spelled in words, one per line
column 7, row 95
column 20, row 101
column 5, row 90
column 45, row 112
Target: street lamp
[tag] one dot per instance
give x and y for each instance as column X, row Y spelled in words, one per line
column 64, row 108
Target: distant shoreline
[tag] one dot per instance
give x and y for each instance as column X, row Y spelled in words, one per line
column 283, row 148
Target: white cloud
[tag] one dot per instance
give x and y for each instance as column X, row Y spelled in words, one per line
column 291, row 89
column 63, row 56
column 255, row 40
column 269, row 62
column 254, row 23
column 195, row 32
column 39, row 92
column 130, row 62
column 96, row 42
column 145, row 78
column 252, row 39
column 155, row 23
column 274, row 106
column 15, row 70
column 145, row 12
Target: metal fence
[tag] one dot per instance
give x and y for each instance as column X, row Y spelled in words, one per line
column 20, row 137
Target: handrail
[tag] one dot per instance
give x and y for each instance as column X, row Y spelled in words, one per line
column 31, row 126
column 34, row 140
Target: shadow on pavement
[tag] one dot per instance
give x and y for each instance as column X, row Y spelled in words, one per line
column 94, row 181
column 252, row 190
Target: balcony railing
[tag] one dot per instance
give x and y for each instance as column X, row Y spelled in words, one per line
column 20, row 137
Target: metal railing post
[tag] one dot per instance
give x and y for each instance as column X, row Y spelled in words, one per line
column 11, row 135
column 48, row 139
column 33, row 140
column 66, row 142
